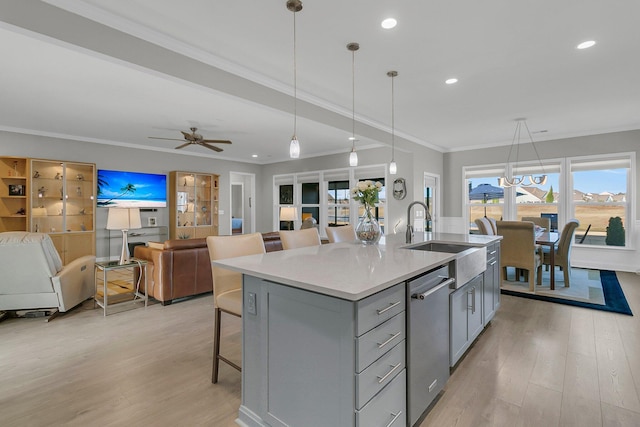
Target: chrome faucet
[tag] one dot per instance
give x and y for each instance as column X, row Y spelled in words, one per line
column 409, row 234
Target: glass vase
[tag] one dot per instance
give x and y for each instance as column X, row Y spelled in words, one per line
column 368, row 230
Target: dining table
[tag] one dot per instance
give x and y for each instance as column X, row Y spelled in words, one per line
column 549, row 238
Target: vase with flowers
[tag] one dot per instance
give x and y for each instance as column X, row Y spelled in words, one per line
column 368, row 230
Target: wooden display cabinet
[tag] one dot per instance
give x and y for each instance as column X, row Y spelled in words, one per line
column 63, row 204
column 14, row 203
column 193, row 204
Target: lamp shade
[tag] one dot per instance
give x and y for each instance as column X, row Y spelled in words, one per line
column 288, row 213
column 123, row 219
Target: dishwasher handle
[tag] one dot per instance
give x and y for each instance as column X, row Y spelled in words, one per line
column 444, row 283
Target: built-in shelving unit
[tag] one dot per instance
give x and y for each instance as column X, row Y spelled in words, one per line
column 193, row 205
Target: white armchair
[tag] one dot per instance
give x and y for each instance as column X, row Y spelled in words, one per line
column 33, row 276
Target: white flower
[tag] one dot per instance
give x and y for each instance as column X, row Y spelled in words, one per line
column 362, row 185
column 378, row 185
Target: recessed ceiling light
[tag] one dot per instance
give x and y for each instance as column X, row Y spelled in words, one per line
column 389, row 23
column 451, row 81
column 254, row 155
column 586, row 45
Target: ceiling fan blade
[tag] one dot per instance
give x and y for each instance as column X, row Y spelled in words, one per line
column 183, row 145
column 210, row 147
column 188, row 136
column 168, row 139
column 216, row 141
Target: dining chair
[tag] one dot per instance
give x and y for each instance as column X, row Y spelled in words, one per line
column 227, row 284
column 539, row 221
column 293, row 239
column 562, row 256
column 344, row 233
column 494, row 225
column 518, row 249
column 485, row 227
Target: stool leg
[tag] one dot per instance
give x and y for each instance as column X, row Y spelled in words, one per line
column 216, row 345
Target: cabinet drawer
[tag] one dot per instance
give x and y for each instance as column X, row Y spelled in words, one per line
column 377, row 308
column 378, row 341
column 493, row 251
column 379, row 374
column 387, row 408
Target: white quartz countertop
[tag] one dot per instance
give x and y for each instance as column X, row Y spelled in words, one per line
column 351, row 271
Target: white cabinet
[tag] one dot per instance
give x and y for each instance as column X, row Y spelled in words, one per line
column 314, row 360
column 491, row 291
column 466, row 317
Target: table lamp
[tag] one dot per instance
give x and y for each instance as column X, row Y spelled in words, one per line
column 124, row 219
column 288, row 213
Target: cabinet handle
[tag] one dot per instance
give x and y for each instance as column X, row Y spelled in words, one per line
column 393, row 337
column 395, row 417
column 393, row 304
column 493, row 263
column 393, row 368
column 492, row 252
column 473, row 300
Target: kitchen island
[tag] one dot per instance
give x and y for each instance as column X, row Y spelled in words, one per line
column 325, row 331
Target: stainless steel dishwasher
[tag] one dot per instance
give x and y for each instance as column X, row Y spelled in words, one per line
column 427, row 339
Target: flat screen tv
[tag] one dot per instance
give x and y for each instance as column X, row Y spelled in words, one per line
column 120, row 189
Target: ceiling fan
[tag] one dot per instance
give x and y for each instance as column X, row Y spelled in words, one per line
column 196, row 138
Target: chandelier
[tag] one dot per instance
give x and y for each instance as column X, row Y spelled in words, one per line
column 506, row 181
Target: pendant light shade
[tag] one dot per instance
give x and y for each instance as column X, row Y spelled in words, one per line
column 393, row 168
column 353, row 156
column 294, row 146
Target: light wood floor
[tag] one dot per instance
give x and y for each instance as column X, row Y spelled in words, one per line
column 537, row 364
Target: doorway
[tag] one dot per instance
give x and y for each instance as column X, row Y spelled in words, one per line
column 431, row 199
column 242, row 192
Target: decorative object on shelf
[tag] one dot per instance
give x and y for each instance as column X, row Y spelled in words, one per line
column 36, row 174
column 183, row 236
column 399, row 188
column 21, row 211
column 41, row 191
column 80, row 177
column 294, row 6
column 124, row 219
column 37, row 214
column 353, row 156
column 393, row 168
column 58, row 176
column 78, row 191
column 505, row 181
column 368, row 230
column 16, row 190
column 289, row 214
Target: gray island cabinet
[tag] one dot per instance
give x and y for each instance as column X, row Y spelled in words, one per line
column 325, row 332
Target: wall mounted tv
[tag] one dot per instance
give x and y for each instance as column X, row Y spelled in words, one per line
column 120, row 189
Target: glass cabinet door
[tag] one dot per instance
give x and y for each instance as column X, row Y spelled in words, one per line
column 62, row 197
column 203, row 200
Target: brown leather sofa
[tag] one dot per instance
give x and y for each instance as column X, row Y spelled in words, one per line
column 182, row 268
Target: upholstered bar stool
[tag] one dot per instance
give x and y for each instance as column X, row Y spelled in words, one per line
column 344, row 233
column 227, row 284
column 299, row 238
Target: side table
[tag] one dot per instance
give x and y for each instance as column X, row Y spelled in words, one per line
column 130, row 297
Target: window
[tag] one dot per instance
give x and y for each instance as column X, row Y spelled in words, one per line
column 600, row 199
column 483, row 196
column 596, row 190
column 338, row 198
column 539, row 200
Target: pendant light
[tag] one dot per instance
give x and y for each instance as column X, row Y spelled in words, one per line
column 294, row 147
column 353, row 156
column 393, row 168
column 513, row 181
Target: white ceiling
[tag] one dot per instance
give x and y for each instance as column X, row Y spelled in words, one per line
column 89, row 70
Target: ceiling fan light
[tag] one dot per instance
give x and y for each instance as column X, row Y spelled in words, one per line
column 393, row 168
column 294, row 148
column 353, row 158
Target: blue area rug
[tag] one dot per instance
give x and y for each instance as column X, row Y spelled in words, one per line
column 614, row 298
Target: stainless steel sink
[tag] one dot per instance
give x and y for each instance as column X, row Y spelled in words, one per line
column 441, row 247
column 469, row 261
